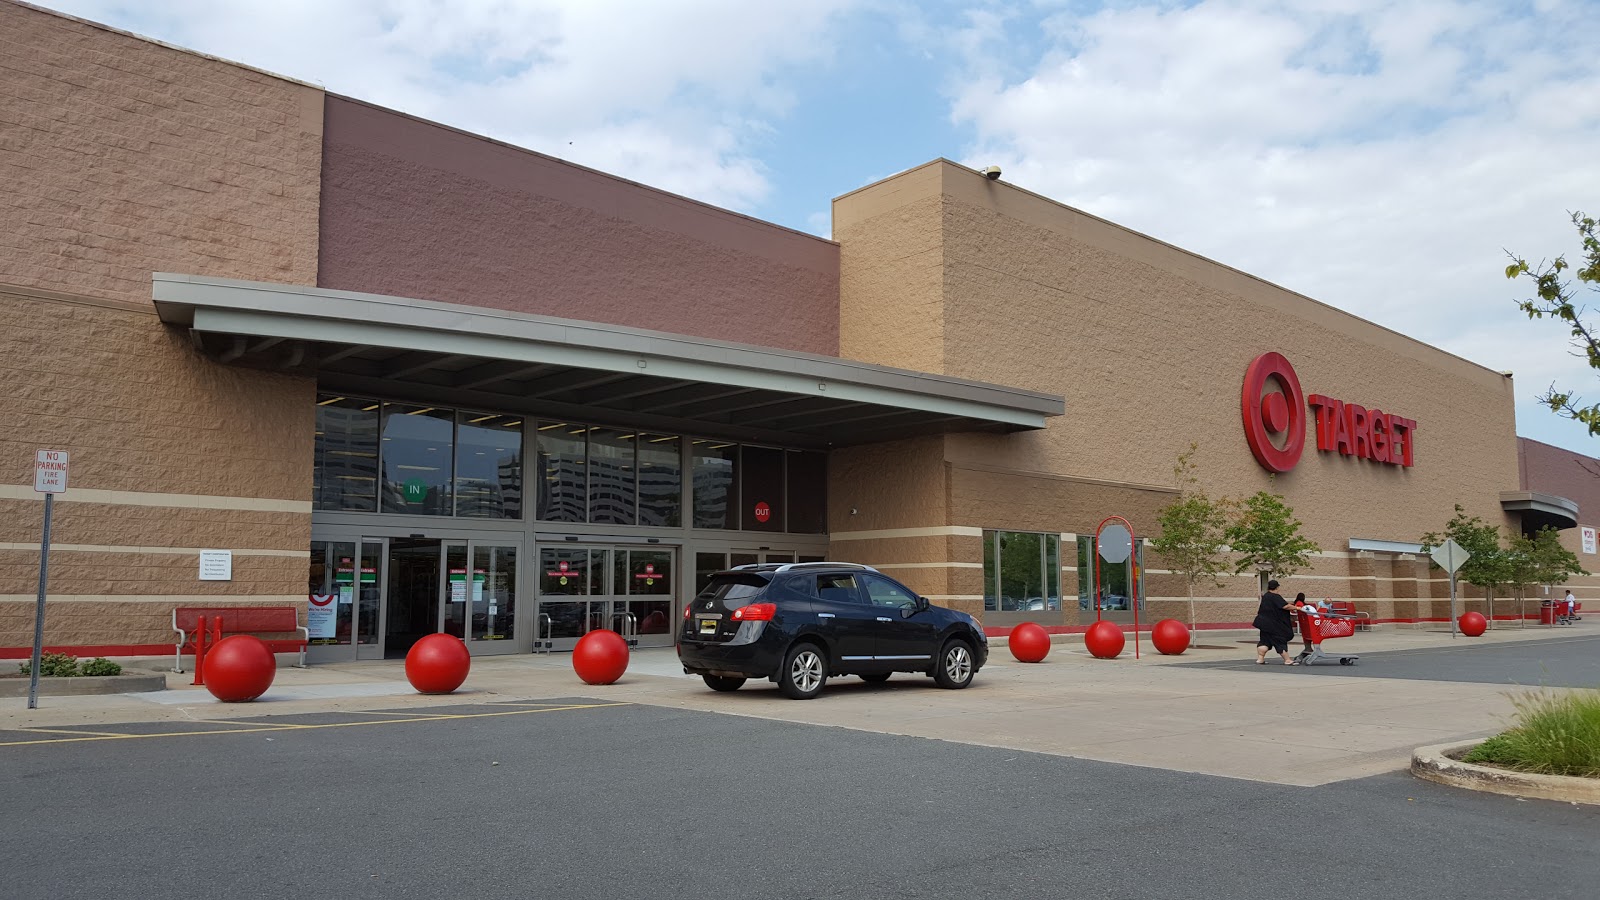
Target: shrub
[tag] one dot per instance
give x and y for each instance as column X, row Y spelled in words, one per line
column 100, row 666
column 1555, row 734
column 59, row 665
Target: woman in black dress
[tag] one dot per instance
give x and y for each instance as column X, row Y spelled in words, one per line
column 1277, row 629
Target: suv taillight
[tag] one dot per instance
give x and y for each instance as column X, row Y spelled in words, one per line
column 686, row 609
column 755, row 612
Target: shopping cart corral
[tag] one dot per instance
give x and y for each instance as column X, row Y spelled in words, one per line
column 1319, row 627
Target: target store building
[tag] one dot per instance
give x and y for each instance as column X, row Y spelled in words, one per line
column 408, row 379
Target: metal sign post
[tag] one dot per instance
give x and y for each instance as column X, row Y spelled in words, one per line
column 50, row 479
column 1451, row 556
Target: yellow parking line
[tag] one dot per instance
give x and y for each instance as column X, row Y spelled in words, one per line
column 258, row 729
column 78, row 732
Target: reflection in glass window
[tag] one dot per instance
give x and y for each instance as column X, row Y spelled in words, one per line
column 489, row 466
column 1021, row 571
column 417, row 459
column 808, row 492
column 613, row 490
column 345, row 473
column 660, row 480
column 716, row 493
column 761, row 487
column 1114, row 592
column 563, row 472
column 705, row 566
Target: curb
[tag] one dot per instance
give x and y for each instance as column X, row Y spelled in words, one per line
column 1434, row 763
column 81, row 685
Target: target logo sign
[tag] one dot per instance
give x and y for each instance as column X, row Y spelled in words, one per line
column 1275, row 421
column 1274, row 412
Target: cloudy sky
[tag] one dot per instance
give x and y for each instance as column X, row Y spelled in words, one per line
column 1378, row 156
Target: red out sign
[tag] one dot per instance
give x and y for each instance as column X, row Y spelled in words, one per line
column 763, row 512
column 1274, row 407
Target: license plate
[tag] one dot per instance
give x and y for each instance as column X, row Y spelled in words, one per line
column 708, row 626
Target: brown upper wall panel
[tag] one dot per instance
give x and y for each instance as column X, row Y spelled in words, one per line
column 1552, row 470
column 415, row 209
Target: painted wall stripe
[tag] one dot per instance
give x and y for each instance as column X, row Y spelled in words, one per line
column 114, row 548
column 931, row 531
column 929, row 565
column 954, row 596
column 143, row 498
column 168, row 599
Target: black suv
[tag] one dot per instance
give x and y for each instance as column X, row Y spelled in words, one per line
column 798, row 623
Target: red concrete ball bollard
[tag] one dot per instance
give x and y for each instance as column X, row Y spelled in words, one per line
column 1473, row 624
column 239, row 668
column 437, row 664
column 1170, row 636
column 1029, row 642
column 1104, row 640
column 600, row 657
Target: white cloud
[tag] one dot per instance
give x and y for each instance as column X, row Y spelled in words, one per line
column 677, row 95
column 1378, row 156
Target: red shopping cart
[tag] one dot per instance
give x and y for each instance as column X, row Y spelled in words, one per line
column 1319, row 627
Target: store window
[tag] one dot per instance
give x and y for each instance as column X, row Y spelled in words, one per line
column 488, row 466
column 761, row 489
column 808, row 492
column 563, row 472
column 613, row 480
column 716, row 493
column 1021, row 571
column 345, row 472
column 1114, row 577
column 660, row 480
column 417, row 458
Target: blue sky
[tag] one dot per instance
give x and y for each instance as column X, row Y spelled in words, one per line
column 1377, row 155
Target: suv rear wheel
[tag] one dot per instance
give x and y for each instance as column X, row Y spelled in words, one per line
column 805, row 670
column 954, row 669
column 721, row 683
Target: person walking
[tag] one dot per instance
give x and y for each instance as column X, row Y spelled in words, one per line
column 1272, row 620
column 1301, row 604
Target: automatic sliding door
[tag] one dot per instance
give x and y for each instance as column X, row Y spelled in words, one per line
column 344, row 613
column 571, row 579
column 493, row 594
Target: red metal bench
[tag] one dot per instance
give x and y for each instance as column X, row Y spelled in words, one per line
column 1348, row 608
column 272, row 624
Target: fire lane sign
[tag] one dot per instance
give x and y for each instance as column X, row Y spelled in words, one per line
column 50, row 472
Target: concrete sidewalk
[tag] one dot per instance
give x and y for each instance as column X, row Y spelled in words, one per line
column 1155, row 711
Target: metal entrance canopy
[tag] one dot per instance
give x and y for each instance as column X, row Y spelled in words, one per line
column 449, row 354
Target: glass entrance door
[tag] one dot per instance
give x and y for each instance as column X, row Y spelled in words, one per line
column 344, row 610
column 416, row 585
column 628, row 590
column 481, row 593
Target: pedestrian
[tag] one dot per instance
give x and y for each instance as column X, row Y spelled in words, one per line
column 1310, row 609
column 1572, row 605
column 1272, row 620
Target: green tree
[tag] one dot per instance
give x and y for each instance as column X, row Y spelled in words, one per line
column 1267, row 537
column 1540, row 560
column 1556, row 296
column 1487, row 565
column 1193, row 530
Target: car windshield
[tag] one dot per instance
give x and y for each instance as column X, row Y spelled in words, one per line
column 732, row 590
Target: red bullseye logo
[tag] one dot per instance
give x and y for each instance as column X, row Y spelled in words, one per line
column 1274, row 412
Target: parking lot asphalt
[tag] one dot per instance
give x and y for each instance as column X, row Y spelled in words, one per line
column 1295, row 726
column 581, row 797
column 1554, row 662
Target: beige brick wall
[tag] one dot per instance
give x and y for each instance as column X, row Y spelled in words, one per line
column 1149, row 345
column 120, row 157
column 170, row 452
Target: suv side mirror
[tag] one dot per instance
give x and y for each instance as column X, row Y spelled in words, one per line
column 922, row 603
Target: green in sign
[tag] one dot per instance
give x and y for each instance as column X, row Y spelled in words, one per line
column 416, row 490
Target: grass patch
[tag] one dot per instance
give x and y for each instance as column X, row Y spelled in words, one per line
column 1555, row 734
